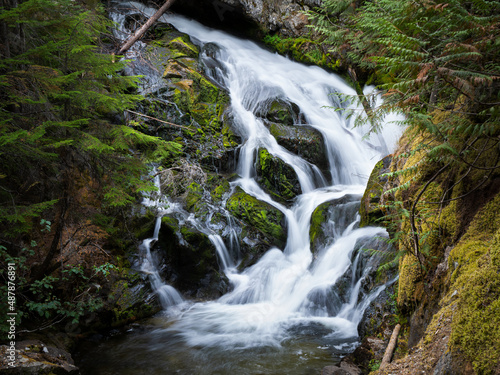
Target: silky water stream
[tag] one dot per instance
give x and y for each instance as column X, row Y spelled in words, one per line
column 286, row 314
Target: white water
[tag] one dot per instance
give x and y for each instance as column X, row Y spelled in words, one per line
column 168, row 296
column 288, row 287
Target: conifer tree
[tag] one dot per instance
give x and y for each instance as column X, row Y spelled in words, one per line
column 61, row 115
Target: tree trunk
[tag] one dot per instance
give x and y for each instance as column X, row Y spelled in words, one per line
column 140, row 32
column 43, row 269
column 390, row 348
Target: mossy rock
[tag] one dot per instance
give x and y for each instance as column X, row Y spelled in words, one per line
column 410, row 273
column 340, row 211
column 131, row 299
column 305, row 51
column 190, row 260
column 258, row 214
column 182, row 44
column 304, row 141
column 194, row 197
column 281, row 112
column 277, row 177
column 370, row 210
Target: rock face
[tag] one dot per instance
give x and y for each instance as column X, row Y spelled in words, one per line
column 253, row 15
column 338, row 211
column 189, row 260
column 303, row 141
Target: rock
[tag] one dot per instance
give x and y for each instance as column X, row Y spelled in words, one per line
column 280, row 111
column 304, row 141
column 370, row 210
column 277, row 177
column 129, row 299
column 262, row 216
column 34, row 357
column 349, row 367
column 333, row 370
column 330, row 219
column 188, row 260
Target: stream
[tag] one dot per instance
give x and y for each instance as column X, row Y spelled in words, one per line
column 292, row 312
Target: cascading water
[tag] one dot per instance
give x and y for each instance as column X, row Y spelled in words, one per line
column 289, row 294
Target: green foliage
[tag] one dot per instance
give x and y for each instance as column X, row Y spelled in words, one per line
column 438, row 64
column 429, row 56
column 51, row 299
column 59, row 94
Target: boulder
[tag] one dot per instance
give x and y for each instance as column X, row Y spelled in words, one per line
column 258, row 214
column 304, row 141
column 370, row 210
column 277, row 177
column 34, row 357
column 189, row 260
column 330, row 219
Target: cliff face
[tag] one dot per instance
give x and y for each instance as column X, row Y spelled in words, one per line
column 450, row 295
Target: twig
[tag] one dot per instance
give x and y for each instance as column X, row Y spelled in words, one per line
column 157, row 119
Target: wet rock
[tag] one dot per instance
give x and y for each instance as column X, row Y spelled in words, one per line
column 280, row 111
column 303, row 141
column 333, row 370
column 370, row 351
column 277, row 177
column 130, row 298
column 330, row 219
column 189, row 260
column 370, row 210
column 258, row 214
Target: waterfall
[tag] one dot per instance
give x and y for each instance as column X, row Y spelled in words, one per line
column 286, row 286
column 289, row 288
column 168, row 296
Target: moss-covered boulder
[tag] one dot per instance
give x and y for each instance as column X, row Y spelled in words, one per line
column 260, row 215
column 370, row 210
column 330, row 219
column 281, row 112
column 304, row 141
column 277, row 177
column 131, row 298
column 190, row 106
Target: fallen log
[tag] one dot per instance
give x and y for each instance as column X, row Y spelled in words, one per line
column 140, row 32
column 390, row 348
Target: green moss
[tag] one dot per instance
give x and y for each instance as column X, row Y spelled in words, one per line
column 476, row 324
column 220, row 190
column 304, row 50
column 317, row 218
column 449, row 220
column 258, row 214
column 409, row 275
column 370, row 211
column 183, row 46
column 194, row 195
